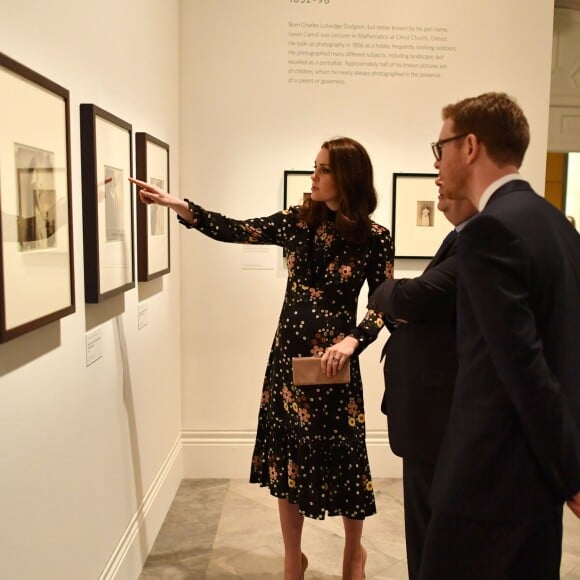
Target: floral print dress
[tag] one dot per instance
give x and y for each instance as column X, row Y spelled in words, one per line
column 310, row 443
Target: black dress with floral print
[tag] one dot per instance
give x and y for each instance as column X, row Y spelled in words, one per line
column 310, row 443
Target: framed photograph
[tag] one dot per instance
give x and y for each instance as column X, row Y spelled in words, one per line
column 418, row 228
column 152, row 165
column 36, row 255
column 297, row 187
column 107, row 203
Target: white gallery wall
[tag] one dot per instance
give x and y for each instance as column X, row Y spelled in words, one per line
column 262, row 85
column 90, row 456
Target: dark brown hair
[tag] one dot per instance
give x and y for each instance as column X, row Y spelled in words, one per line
column 353, row 172
column 497, row 121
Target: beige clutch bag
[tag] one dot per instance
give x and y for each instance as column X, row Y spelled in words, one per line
column 306, row 371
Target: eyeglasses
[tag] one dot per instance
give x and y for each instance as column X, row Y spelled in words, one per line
column 437, row 147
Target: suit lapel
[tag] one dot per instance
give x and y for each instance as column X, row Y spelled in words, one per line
column 447, row 242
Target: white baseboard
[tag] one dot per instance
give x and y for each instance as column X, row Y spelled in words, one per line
column 127, row 559
column 384, row 463
column 228, row 454
column 198, row 455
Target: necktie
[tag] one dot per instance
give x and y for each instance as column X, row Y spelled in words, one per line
column 448, row 238
column 445, row 244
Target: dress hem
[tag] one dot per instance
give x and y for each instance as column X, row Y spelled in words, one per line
column 329, row 513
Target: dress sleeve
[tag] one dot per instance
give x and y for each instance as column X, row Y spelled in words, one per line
column 380, row 268
column 270, row 230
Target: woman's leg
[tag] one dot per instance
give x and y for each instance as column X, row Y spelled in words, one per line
column 354, row 556
column 291, row 522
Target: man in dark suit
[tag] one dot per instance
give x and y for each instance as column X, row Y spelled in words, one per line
column 510, row 457
column 420, row 368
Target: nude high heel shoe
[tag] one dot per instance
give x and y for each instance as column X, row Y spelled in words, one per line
column 304, row 566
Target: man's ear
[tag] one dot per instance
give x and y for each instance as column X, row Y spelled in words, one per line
column 473, row 147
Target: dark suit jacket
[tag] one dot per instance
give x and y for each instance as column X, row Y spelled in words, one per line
column 512, row 446
column 421, row 359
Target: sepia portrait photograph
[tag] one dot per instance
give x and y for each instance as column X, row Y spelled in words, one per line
column 425, row 214
column 114, row 204
column 36, row 198
column 158, row 215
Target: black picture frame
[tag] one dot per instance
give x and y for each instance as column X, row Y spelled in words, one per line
column 106, row 153
column 153, row 235
column 36, row 228
column 418, row 227
column 297, row 186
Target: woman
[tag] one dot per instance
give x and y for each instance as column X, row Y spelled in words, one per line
column 310, row 445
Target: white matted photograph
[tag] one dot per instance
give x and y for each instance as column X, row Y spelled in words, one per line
column 153, row 243
column 36, row 253
column 418, row 228
column 106, row 143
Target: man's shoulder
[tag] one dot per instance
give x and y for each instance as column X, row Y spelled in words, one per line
column 517, row 188
column 514, row 202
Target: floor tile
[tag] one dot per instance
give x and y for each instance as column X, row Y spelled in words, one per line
column 221, row 529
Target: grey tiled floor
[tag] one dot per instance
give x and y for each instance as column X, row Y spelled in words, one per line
column 222, row 529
